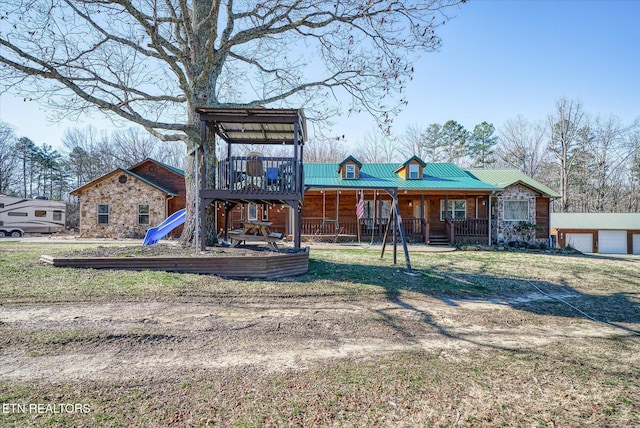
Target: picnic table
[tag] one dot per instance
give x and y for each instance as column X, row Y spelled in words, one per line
column 255, row 231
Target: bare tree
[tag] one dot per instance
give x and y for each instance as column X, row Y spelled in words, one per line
column 8, row 160
column 89, row 153
column 153, row 62
column 609, row 154
column 325, row 150
column 523, row 147
column 426, row 143
column 567, row 144
column 377, row 147
column 633, row 170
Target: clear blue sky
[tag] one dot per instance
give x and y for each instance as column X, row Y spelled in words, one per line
column 503, row 58
column 499, row 59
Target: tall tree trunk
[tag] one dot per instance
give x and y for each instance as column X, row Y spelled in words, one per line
column 187, row 237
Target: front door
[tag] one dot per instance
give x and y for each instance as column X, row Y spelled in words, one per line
column 417, row 209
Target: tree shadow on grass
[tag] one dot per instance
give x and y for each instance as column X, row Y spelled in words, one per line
column 619, row 309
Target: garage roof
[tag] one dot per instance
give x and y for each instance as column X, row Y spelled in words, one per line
column 596, row 221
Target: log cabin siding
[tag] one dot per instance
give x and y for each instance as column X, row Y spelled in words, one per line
column 542, row 217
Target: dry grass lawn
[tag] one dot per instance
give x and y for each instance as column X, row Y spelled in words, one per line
column 473, row 339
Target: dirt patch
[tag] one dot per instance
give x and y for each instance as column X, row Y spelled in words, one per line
column 97, row 341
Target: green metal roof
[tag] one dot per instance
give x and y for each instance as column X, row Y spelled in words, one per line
column 601, row 221
column 445, row 176
column 506, row 177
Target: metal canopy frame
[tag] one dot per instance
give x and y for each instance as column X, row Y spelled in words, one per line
column 256, row 125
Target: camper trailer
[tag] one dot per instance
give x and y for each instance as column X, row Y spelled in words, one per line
column 20, row 215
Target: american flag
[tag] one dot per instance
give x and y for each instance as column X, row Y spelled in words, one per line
column 360, row 207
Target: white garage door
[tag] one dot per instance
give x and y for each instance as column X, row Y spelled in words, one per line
column 612, row 241
column 636, row 244
column 582, row 242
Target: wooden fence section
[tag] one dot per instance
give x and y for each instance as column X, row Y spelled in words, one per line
column 272, row 266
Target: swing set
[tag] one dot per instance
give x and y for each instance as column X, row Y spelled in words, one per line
column 394, row 223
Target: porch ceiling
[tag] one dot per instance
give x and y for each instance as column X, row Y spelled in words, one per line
column 255, row 125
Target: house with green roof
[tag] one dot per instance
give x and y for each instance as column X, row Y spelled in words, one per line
column 439, row 203
column 126, row 202
column 520, row 211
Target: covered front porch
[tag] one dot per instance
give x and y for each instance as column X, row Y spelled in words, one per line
column 329, row 215
column 417, row 230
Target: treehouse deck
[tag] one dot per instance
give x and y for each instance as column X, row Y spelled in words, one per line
column 251, row 177
column 257, row 179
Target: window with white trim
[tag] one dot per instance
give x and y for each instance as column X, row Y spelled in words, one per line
column 350, row 171
column 516, row 210
column 103, row 214
column 381, row 212
column 252, row 212
column 457, row 209
column 143, row 214
column 414, row 171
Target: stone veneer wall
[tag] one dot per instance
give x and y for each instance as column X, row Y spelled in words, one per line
column 502, row 231
column 123, row 200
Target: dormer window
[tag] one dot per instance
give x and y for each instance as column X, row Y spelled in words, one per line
column 350, row 172
column 411, row 169
column 349, row 169
column 414, row 171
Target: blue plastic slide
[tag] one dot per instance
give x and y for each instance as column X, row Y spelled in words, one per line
column 154, row 234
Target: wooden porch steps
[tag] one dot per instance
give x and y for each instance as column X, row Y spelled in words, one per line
column 439, row 240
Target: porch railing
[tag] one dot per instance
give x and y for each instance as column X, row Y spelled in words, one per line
column 467, row 229
column 471, row 227
column 246, row 174
column 414, row 228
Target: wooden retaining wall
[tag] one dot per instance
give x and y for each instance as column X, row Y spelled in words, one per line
column 273, row 266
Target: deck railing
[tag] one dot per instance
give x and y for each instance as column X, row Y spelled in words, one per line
column 246, row 174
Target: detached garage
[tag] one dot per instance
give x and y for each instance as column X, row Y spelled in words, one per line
column 605, row 233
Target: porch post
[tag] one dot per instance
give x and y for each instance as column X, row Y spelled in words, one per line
column 203, row 229
column 297, row 226
column 447, row 224
column 446, row 207
column 227, row 209
column 425, row 232
column 489, row 216
column 296, row 161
